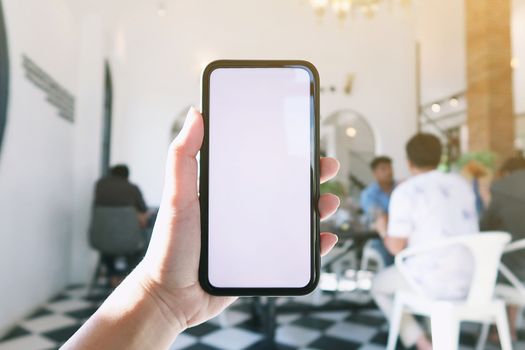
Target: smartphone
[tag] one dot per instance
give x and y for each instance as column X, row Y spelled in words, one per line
column 259, row 178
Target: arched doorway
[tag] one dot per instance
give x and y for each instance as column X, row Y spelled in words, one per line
column 347, row 135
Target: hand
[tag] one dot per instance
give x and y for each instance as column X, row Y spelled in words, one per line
column 381, row 224
column 171, row 263
column 162, row 296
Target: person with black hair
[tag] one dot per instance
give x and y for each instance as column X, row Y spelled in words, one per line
column 376, row 196
column 374, row 201
column 427, row 207
column 115, row 190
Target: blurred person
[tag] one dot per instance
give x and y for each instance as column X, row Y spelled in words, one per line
column 475, row 171
column 375, row 199
column 162, row 297
column 376, row 196
column 506, row 212
column 427, row 207
column 115, row 190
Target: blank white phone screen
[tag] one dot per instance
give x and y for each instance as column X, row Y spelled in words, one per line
column 259, row 189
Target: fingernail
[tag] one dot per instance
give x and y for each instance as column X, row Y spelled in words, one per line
column 191, row 113
column 189, row 117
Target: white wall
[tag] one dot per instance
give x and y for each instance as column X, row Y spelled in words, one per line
column 440, row 27
column 88, row 142
column 159, row 59
column 40, row 201
column 36, row 165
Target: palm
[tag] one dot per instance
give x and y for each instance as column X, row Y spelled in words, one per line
column 178, row 252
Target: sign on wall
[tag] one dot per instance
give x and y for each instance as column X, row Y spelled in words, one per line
column 56, row 94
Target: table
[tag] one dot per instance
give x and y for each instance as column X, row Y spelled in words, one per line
column 264, row 309
column 349, row 234
column 353, row 239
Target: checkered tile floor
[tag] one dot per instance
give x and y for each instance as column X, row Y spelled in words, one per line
column 365, row 329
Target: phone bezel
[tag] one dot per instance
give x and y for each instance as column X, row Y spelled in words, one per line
column 314, row 179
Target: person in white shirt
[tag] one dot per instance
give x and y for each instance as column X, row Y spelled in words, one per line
column 429, row 206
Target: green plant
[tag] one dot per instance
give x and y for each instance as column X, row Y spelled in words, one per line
column 335, row 187
column 486, row 158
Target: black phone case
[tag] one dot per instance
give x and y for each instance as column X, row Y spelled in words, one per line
column 314, row 179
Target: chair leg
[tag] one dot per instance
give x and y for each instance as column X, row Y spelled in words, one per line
column 482, row 340
column 519, row 319
column 395, row 324
column 502, row 323
column 445, row 328
column 365, row 262
column 95, row 277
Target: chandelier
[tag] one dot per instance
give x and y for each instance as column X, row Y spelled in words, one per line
column 343, row 8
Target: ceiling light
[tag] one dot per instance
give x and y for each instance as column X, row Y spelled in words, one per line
column 341, row 8
column 436, row 108
column 319, row 6
column 453, row 102
column 351, row 132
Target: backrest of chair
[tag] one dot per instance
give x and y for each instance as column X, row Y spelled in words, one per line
column 116, row 230
column 486, row 250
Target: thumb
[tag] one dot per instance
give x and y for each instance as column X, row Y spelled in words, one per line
column 181, row 172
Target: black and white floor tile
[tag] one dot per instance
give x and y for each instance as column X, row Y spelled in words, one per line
column 364, row 329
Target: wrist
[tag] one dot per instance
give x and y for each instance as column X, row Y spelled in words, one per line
column 133, row 317
column 159, row 297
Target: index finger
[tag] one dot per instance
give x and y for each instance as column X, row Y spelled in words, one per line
column 329, row 168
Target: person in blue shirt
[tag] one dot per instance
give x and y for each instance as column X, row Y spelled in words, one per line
column 375, row 199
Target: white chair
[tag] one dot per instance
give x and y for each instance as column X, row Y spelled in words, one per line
column 371, row 260
column 513, row 294
column 445, row 316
